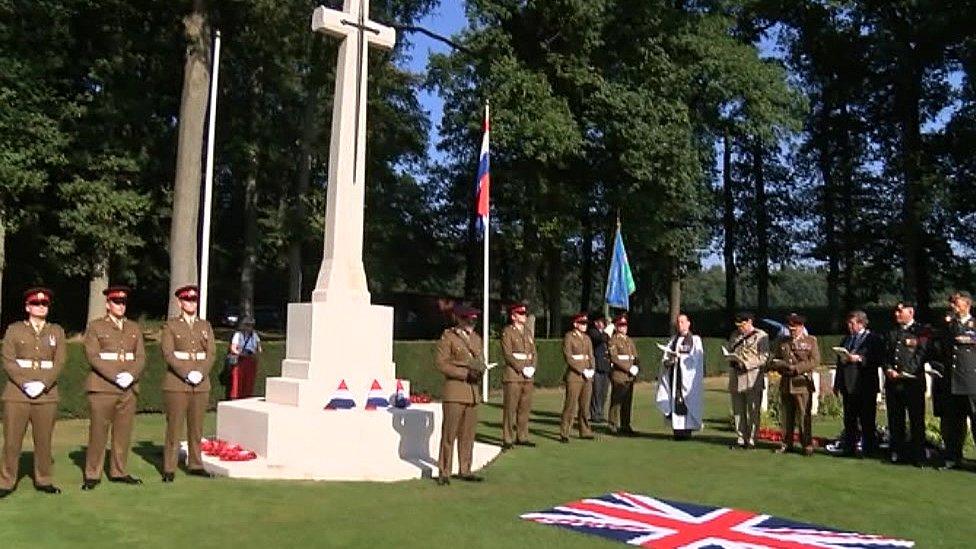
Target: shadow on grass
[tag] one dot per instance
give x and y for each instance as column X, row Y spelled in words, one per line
column 488, row 439
column 25, row 466
column 543, row 413
column 150, row 453
column 695, row 438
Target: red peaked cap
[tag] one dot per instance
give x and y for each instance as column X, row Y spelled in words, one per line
column 620, row 320
column 117, row 290
column 580, row 318
column 464, row 311
column 38, row 292
column 517, row 308
column 190, row 290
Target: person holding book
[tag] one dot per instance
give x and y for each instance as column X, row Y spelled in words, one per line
column 795, row 357
column 680, row 391
column 856, row 381
column 747, row 352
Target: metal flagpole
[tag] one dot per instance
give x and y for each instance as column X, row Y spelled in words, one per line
column 208, row 181
column 485, row 315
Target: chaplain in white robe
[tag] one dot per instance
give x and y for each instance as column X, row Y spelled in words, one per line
column 680, row 385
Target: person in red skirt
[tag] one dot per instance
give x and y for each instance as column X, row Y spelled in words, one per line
column 245, row 346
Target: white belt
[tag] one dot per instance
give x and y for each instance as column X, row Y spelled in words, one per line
column 580, row 357
column 625, row 357
column 520, row 356
column 115, row 356
column 28, row 363
column 183, row 355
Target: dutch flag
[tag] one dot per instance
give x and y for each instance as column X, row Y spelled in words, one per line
column 483, row 184
column 400, row 397
column 375, row 398
column 341, row 398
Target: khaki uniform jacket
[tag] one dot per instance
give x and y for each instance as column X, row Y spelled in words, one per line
column 452, row 356
column 518, row 347
column 187, row 348
column 111, row 351
column 753, row 352
column 29, row 356
column 623, row 355
column 578, row 353
column 802, row 353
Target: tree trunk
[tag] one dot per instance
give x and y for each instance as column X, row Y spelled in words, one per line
column 3, row 254
column 728, row 219
column 916, row 277
column 847, row 227
column 830, row 232
column 554, row 287
column 184, row 227
column 586, row 276
column 674, row 291
column 96, row 286
column 762, row 230
column 249, row 251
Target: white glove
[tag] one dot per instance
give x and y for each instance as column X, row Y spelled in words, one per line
column 634, row 370
column 124, row 379
column 194, row 377
column 609, row 329
column 34, row 388
column 588, row 373
column 528, row 372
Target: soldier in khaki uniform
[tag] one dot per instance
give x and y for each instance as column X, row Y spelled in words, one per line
column 459, row 357
column 580, row 369
column 188, row 349
column 749, row 348
column 117, row 355
column 518, row 348
column 795, row 357
column 623, row 357
column 33, row 356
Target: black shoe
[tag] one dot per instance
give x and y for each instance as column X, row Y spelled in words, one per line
column 526, row 443
column 127, row 479
column 4, row 492
column 587, row 437
column 89, row 484
column 628, row 432
column 506, row 447
column 443, row 481
column 737, row 446
column 949, row 465
column 199, row 473
column 564, row 440
column 169, row 477
column 48, row 489
column 471, row 478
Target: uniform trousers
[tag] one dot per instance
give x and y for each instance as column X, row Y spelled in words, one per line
column 517, row 404
column 460, row 421
column 957, row 410
column 796, row 410
column 577, row 399
column 16, row 416
column 621, row 402
column 189, row 408
column 860, row 420
column 598, row 401
column 901, row 397
column 109, row 410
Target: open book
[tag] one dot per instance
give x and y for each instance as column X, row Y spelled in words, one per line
column 842, row 352
column 667, row 350
column 730, row 355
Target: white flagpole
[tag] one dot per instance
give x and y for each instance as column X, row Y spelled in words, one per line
column 208, row 181
column 485, row 314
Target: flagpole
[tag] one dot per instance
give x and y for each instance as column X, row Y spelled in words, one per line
column 485, row 313
column 208, row 183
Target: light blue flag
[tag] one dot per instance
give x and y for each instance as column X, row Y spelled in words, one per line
column 620, row 282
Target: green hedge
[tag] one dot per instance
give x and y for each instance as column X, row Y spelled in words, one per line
column 414, row 360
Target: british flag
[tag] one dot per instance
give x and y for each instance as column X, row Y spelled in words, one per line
column 650, row 522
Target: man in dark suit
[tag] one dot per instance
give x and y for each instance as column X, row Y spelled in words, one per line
column 601, row 380
column 857, row 382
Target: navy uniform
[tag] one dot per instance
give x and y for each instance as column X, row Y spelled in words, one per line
column 117, row 355
column 34, row 353
column 959, row 361
column 188, row 347
column 906, row 348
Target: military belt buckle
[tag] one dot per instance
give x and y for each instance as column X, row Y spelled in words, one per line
column 35, row 364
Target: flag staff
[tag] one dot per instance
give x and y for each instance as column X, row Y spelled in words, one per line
column 484, row 291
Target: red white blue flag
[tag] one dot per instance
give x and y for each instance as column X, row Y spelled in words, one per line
column 483, row 184
column 649, row 522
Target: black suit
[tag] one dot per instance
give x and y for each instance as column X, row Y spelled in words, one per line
column 857, row 382
column 906, row 352
column 601, row 380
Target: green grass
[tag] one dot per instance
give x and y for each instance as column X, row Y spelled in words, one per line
column 930, row 507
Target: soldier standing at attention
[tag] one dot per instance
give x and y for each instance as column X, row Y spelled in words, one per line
column 33, row 356
column 795, row 357
column 188, row 346
column 458, row 357
column 518, row 348
column 959, row 360
column 904, row 370
column 580, row 369
column 117, row 355
column 600, row 339
column 623, row 356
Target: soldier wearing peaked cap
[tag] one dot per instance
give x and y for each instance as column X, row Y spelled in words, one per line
column 518, row 349
column 188, row 348
column 958, row 401
column 458, row 356
column 580, row 369
column 795, row 356
column 907, row 348
column 623, row 356
column 33, row 357
column 117, row 355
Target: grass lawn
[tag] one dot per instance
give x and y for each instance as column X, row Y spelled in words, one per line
column 933, row 508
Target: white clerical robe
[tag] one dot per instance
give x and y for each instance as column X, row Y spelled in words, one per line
column 691, row 365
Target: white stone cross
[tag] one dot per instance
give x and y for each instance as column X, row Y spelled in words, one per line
column 342, row 275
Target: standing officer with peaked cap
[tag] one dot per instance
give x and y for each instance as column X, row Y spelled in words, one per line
column 907, row 348
column 518, row 349
column 33, row 355
column 188, row 349
column 117, row 355
column 623, row 356
column 795, row 356
column 580, row 369
column 458, row 356
column 959, row 360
